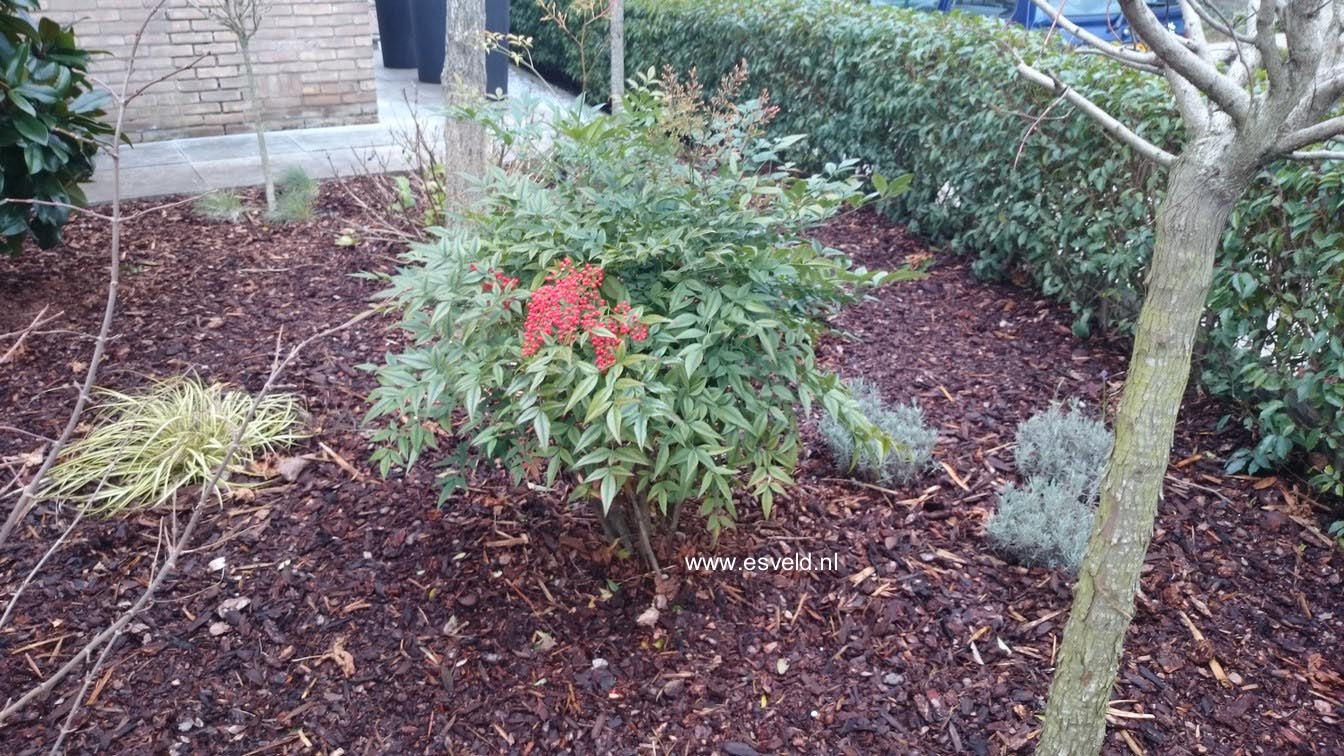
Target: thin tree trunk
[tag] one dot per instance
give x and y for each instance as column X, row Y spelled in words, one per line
column 617, row 54
column 1201, row 192
column 464, row 85
column 258, row 121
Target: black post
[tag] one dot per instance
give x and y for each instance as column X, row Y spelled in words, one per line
column 496, row 61
column 431, row 27
column 394, row 33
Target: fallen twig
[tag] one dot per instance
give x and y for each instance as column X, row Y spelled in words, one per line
column 39, row 321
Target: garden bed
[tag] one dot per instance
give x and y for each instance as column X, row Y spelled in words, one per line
column 501, row 623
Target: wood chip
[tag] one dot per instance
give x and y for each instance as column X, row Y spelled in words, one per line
column 951, row 473
column 340, row 461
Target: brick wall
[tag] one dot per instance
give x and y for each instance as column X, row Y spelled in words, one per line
column 313, row 61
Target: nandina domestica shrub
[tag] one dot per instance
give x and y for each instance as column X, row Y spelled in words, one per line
column 628, row 313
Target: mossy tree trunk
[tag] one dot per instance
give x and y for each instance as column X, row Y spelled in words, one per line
column 1201, row 191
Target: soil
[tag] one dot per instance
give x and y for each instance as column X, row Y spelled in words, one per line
column 377, row 622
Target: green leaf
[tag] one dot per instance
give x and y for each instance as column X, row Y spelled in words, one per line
column 31, row 128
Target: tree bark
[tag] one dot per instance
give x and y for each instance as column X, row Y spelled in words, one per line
column 617, row 54
column 1202, row 189
column 258, row 121
column 464, row 86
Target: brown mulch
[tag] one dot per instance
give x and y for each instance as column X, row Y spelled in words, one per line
column 501, row 624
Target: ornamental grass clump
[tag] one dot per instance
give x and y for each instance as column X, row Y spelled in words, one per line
column 912, row 439
column 223, row 205
column 296, row 197
column 144, row 448
column 627, row 315
column 1061, row 455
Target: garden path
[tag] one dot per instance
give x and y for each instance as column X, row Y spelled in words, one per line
column 200, row 164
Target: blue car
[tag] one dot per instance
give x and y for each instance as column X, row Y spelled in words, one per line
column 1101, row 17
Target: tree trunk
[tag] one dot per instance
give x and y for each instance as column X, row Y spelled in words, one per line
column 617, row 54
column 464, row 86
column 1201, row 192
column 258, row 121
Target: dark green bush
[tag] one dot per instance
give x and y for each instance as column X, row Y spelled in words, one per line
column 1052, row 202
column 50, row 117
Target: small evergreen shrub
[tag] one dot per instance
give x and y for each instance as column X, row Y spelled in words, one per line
column 628, row 312
column 144, row 448
column 51, row 121
column 223, row 205
column 1063, row 446
column 1043, row 524
column 296, row 194
column 912, row 439
column 1061, row 454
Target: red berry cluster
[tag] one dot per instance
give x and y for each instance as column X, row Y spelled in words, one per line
column 570, row 303
column 504, row 282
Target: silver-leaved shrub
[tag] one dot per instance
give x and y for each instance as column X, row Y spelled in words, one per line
column 1061, row 454
column 912, row 439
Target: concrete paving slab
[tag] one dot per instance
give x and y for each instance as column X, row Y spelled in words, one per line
column 146, row 181
column 149, row 153
column 202, row 149
column 239, row 172
column 235, row 172
column 341, row 137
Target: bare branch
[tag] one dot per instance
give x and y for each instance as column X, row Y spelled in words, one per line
column 163, row 206
column 103, row 216
column 76, row 703
column 52, row 203
column 39, row 321
column 140, row 91
column 55, row 546
column 1194, row 25
column 1326, row 130
column 1267, row 42
column 1105, row 120
column 28, row 496
column 1035, row 122
column 1174, row 52
column 1316, row 155
column 1190, row 102
column 1332, row 86
column 1218, row 21
column 1242, row 49
column 1123, row 55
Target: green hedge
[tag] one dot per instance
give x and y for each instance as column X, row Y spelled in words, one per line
column 1056, row 204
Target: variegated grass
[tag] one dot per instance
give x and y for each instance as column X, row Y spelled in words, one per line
column 145, row 447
